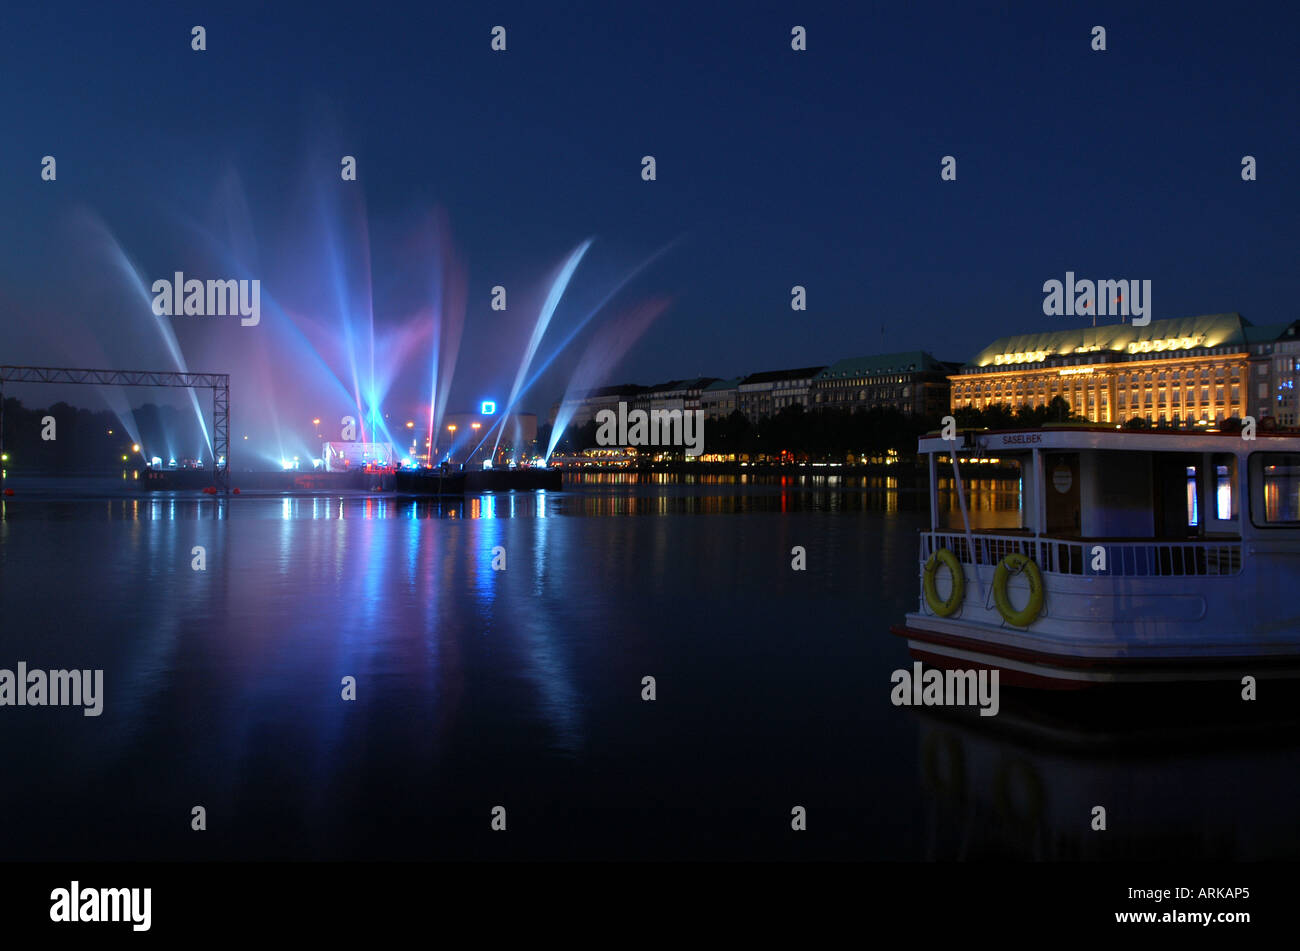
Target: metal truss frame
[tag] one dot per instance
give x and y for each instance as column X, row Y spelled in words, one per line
column 219, row 383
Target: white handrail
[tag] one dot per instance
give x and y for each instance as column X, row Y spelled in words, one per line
column 1137, row 558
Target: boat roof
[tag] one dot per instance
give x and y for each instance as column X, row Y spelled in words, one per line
column 1006, row 441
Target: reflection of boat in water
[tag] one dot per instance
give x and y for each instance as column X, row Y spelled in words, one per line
column 1024, row 784
column 1139, row 556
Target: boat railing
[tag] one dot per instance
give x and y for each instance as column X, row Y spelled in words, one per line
column 1127, row 559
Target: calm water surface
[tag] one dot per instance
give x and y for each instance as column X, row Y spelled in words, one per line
column 522, row 688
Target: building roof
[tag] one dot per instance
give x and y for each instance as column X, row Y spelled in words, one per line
column 618, row 389
column 907, row 361
column 1284, row 332
column 730, row 384
column 1182, row 333
column 1263, row 334
column 691, row 383
column 773, row 376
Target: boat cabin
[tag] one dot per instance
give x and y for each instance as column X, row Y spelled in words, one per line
column 1094, row 483
column 1094, row 555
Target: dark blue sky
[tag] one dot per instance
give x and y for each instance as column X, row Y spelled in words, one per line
column 774, row 167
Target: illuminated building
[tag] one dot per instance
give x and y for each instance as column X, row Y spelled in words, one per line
column 718, row 400
column 684, row 395
column 1187, row 371
column 1275, row 373
column 766, row 394
column 583, row 407
column 913, row 382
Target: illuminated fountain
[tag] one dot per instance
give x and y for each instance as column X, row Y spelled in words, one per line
column 325, row 352
column 607, row 348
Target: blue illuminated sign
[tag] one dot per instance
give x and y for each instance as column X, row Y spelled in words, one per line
column 487, row 408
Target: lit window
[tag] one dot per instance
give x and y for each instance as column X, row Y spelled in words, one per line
column 1275, row 488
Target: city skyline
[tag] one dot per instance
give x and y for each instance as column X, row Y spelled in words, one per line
column 795, row 168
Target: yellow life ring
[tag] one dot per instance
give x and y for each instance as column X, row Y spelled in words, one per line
column 944, row 608
column 1014, row 564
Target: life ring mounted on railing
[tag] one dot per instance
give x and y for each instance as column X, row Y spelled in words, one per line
column 1015, row 563
column 940, row 607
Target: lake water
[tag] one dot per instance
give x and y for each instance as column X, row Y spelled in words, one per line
column 522, row 688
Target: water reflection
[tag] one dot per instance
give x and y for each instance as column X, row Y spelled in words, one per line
column 993, row 502
column 991, row 506
column 1181, row 776
column 523, row 685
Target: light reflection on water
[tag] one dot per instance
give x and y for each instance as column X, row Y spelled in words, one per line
column 523, row 686
column 992, row 504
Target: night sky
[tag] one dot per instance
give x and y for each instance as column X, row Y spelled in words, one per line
column 775, row 168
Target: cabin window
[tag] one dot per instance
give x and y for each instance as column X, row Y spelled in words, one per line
column 1275, row 489
column 1225, row 499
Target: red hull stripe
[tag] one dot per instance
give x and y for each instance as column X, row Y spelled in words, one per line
column 1068, row 662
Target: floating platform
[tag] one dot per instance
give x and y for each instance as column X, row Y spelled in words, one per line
column 281, row 481
column 433, row 482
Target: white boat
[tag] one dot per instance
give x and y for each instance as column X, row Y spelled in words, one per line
column 1138, row 556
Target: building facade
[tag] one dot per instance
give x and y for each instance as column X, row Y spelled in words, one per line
column 1275, row 374
column 1187, row 371
column 766, row 394
column 718, row 399
column 675, row 394
column 585, row 406
column 913, row 382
